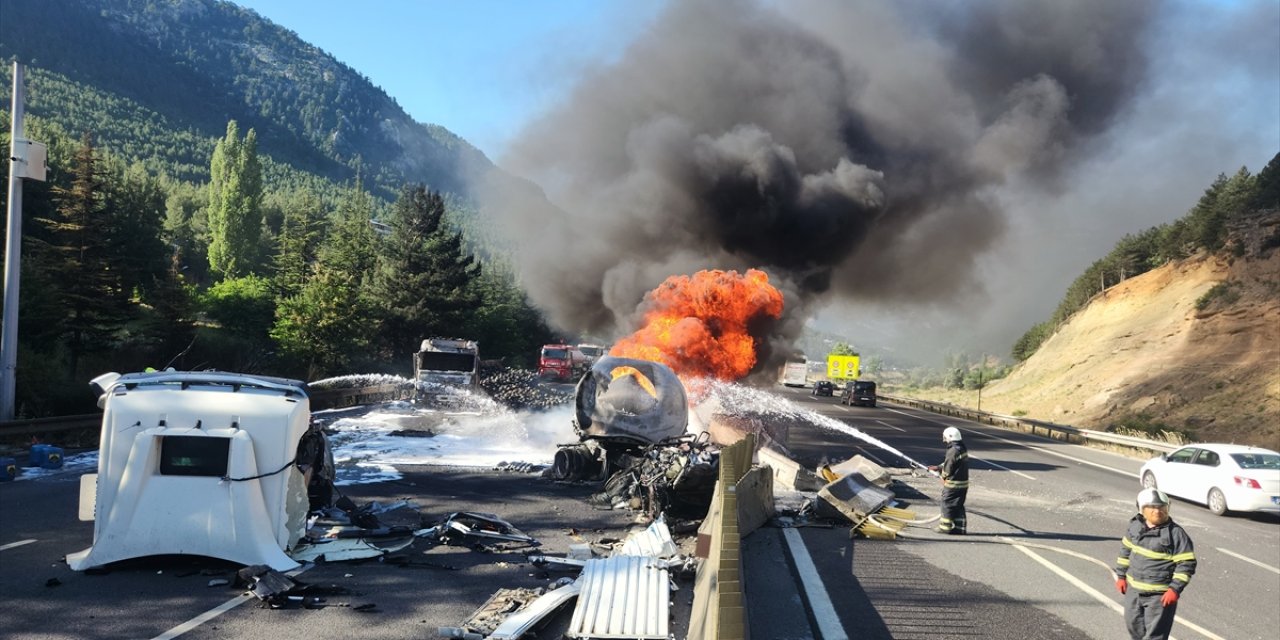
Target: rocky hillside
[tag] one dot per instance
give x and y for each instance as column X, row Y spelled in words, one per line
column 1193, row 345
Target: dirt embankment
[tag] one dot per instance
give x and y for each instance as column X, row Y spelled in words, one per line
column 1144, row 348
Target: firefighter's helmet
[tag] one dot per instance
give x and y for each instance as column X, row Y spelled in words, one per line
column 951, row 434
column 1152, row 497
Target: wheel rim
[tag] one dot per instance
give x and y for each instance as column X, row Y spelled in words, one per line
column 1217, row 501
column 1148, row 480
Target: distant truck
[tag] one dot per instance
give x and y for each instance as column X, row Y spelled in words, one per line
column 446, row 363
column 593, row 352
column 843, row 368
column 795, row 373
column 562, row 362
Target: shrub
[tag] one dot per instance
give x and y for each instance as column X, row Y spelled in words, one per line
column 1224, row 292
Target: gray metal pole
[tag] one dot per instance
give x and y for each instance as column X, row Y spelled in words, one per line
column 12, row 257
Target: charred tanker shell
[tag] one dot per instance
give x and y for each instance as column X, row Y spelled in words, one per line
column 628, row 401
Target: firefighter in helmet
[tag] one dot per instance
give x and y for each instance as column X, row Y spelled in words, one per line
column 1155, row 565
column 955, row 482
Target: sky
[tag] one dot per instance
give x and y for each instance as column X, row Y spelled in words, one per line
column 480, row 68
column 918, row 179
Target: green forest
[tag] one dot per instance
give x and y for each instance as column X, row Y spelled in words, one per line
column 124, row 269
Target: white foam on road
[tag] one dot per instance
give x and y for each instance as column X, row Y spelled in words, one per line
column 367, row 447
column 368, row 442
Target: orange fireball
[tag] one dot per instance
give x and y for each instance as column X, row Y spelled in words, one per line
column 698, row 325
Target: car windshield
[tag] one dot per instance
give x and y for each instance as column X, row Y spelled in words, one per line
column 1257, row 460
column 555, row 354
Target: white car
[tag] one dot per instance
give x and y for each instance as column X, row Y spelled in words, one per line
column 1225, row 477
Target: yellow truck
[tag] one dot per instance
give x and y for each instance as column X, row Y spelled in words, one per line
column 843, row 368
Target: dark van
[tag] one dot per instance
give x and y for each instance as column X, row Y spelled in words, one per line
column 859, row 393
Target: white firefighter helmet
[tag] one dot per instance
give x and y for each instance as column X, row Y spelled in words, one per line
column 951, row 434
column 1152, row 497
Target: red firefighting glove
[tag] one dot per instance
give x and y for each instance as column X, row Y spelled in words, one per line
column 1122, row 585
column 1168, row 598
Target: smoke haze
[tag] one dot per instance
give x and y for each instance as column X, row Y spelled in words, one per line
column 932, row 174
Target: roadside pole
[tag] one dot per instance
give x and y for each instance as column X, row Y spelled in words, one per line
column 26, row 160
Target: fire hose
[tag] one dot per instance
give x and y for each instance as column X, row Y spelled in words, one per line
column 876, row 520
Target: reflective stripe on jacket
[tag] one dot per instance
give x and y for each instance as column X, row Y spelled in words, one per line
column 1156, row 559
column 955, row 467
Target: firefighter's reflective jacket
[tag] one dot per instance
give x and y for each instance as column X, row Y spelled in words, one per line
column 1156, row 559
column 955, row 467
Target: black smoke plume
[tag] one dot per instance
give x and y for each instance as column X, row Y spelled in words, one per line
column 849, row 149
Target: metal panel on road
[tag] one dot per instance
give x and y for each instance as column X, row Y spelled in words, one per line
column 622, row 597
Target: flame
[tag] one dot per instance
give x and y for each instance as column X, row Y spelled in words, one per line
column 641, row 379
column 698, row 325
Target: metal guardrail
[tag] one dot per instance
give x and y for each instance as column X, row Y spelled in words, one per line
column 50, row 425
column 1052, row 430
column 320, row 399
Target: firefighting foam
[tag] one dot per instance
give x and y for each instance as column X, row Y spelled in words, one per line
column 701, row 325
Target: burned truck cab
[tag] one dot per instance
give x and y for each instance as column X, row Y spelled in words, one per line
column 210, row 463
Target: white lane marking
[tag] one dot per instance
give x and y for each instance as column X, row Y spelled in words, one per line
column 1003, row 467
column 1077, row 582
column 217, row 611
column 1030, row 446
column 1097, row 595
column 1246, row 559
column 891, row 426
column 844, row 408
column 824, row 613
column 16, row 544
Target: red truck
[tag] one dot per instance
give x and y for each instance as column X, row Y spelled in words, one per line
column 562, row 362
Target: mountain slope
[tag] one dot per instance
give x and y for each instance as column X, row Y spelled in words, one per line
column 1143, row 347
column 195, row 64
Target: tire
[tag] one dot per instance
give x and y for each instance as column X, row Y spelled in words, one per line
column 1217, row 502
column 1149, row 481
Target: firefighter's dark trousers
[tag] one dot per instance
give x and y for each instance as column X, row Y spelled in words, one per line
column 1146, row 618
column 953, row 520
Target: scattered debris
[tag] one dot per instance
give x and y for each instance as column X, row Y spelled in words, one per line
column 465, row 527
column 280, row 591
column 347, row 532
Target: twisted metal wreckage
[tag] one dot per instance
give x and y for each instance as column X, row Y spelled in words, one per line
column 184, row 451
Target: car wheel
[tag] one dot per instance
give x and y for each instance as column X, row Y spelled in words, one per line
column 1217, row 502
column 1149, row 480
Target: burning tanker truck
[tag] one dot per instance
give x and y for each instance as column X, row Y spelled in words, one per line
column 631, row 418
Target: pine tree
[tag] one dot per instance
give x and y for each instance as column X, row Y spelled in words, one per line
column 1267, row 186
column 324, row 326
column 425, row 284
column 235, row 204
column 298, row 246
column 321, row 327
column 81, row 235
column 138, row 210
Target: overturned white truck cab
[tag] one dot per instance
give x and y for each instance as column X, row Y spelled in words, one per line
column 213, row 464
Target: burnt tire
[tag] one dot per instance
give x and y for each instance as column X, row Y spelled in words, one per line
column 1217, row 502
